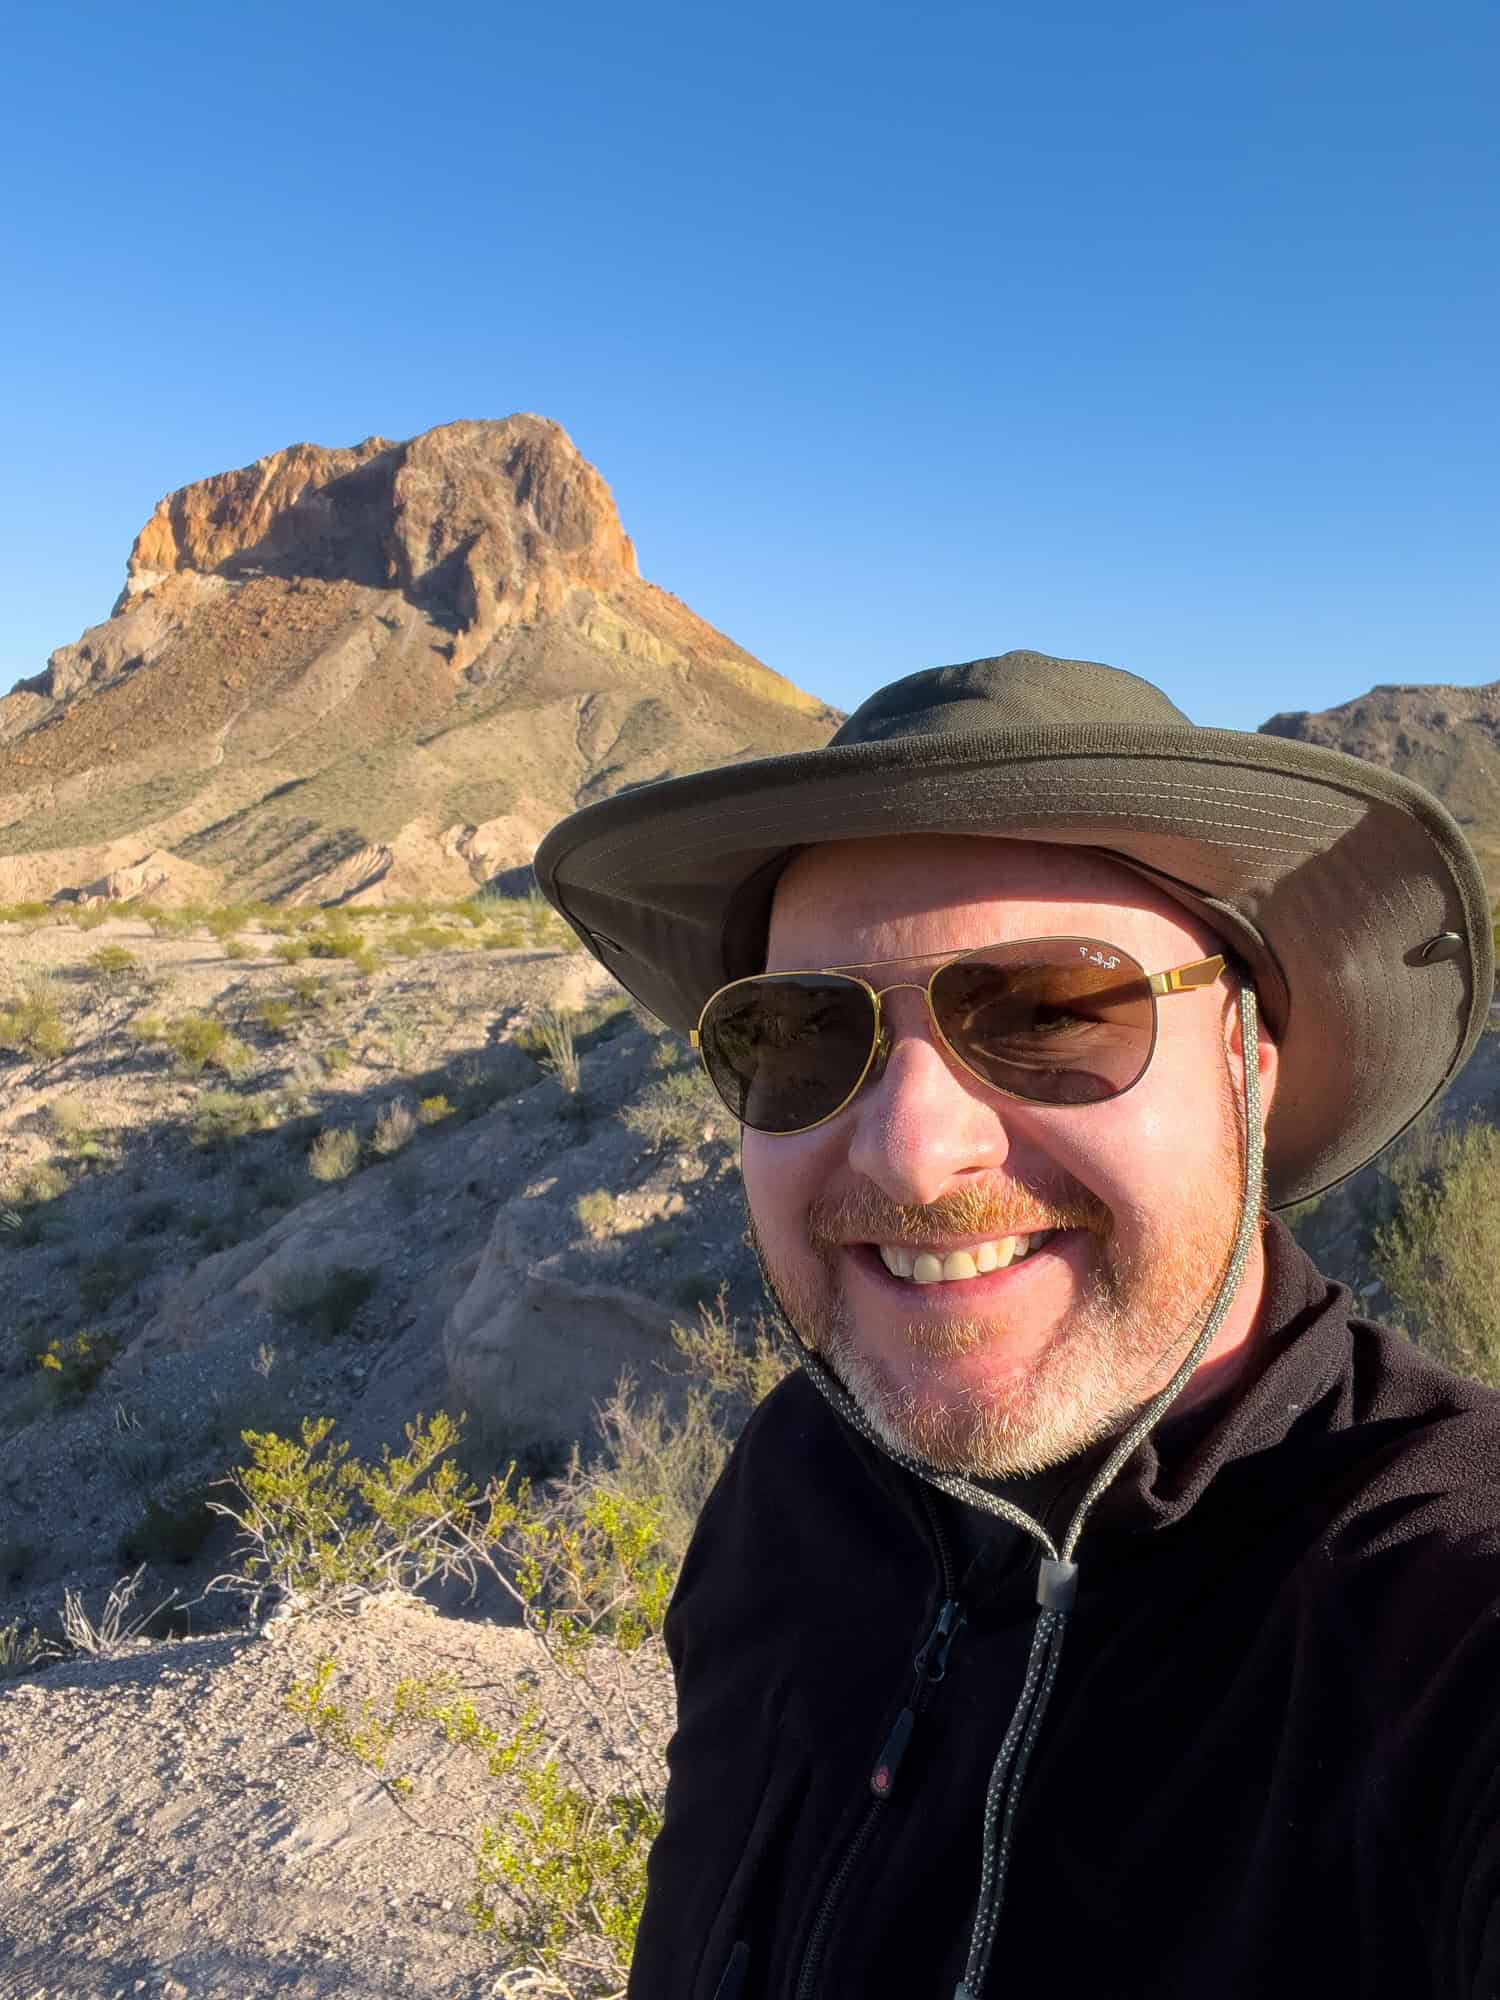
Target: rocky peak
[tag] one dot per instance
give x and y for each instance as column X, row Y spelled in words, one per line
column 1445, row 737
column 485, row 524
column 1389, row 724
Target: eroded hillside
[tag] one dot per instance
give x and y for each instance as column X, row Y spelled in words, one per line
column 367, row 674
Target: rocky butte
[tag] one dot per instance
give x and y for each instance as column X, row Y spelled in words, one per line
column 368, row 674
column 1446, row 738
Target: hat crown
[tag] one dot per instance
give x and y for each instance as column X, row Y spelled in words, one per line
column 1017, row 690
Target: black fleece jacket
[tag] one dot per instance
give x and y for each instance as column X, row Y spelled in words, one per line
column 1271, row 1762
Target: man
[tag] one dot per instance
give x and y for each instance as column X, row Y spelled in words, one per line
column 1103, row 1602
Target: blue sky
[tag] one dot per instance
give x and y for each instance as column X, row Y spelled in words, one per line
column 1163, row 335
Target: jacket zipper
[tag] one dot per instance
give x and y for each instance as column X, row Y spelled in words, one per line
column 928, row 1668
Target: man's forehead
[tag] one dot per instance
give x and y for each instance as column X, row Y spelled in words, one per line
column 886, row 879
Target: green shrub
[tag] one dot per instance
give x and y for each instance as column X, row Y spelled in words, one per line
column 596, row 1212
column 39, row 1184
column 422, row 938
column 679, row 1110
column 590, row 1562
column 559, row 1875
column 113, row 960
column 236, row 947
column 72, row 1368
column 89, row 919
column 1438, row 1256
column 332, row 1531
column 223, row 1115
column 24, row 913
column 334, row 1154
column 274, row 1015
column 347, row 944
column 72, row 1119
column 432, row 1110
column 291, row 951
column 326, row 1299
column 197, row 1040
column 336, row 1059
column 32, row 1024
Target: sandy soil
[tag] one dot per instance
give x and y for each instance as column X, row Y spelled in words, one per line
column 169, row 1828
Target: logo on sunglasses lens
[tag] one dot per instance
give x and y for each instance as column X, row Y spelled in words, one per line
column 1107, row 960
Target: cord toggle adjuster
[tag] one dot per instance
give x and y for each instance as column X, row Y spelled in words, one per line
column 1056, row 1585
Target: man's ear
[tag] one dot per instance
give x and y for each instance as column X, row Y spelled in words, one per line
column 1267, row 1054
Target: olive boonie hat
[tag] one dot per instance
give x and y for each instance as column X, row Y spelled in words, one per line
column 1349, row 893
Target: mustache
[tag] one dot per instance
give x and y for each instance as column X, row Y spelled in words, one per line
column 863, row 1215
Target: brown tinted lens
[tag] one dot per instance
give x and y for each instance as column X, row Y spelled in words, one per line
column 786, row 1050
column 1057, row 1021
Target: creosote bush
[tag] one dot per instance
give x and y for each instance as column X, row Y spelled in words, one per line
column 589, row 1560
column 559, row 1877
column 432, row 1110
column 31, row 1023
column 200, row 1039
column 1439, row 1255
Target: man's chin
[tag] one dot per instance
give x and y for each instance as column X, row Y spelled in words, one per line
column 995, row 1431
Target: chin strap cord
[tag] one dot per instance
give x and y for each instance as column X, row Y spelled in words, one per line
column 1057, row 1581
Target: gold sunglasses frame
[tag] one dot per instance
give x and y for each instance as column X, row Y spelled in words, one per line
column 1190, row 978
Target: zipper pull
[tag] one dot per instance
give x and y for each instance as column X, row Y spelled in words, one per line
column 942, row 1634
column 888, row 1763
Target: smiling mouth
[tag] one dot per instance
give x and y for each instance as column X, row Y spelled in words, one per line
column 940, row 1267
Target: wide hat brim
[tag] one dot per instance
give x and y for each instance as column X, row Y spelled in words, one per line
column 1350, row 893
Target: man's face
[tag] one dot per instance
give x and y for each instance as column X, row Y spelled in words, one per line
column 1015, row 1370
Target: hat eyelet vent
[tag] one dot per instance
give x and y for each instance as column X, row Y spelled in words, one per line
column 1447, row 944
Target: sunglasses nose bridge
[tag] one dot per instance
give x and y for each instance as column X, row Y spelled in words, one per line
column 883, row 1042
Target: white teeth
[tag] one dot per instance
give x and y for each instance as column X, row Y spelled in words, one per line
column 926, row 1268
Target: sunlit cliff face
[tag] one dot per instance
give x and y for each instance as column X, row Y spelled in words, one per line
column 1135, row 1200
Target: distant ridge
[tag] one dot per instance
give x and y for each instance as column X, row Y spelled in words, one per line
column 369, row 673
column 1446, row 738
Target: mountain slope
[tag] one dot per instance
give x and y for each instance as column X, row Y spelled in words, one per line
column 1446, row 738
column 375, row 672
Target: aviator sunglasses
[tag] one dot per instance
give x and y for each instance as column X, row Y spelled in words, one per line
column 1054, row 1020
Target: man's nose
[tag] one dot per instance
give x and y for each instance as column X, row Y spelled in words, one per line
column 922, row 1123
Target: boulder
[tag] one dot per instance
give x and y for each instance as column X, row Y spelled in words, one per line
column 531, row 1355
